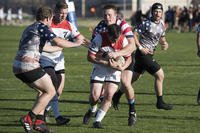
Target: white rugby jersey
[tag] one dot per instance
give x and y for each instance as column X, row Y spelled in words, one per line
column 65, row 30
column 31, row 44
column 150, row 33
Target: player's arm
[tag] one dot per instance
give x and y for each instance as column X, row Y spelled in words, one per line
column 164, row 43
column 126, row 50
column 94, row 58
column 50, row 48
column 143, row 50
column 198, row 44
column 66, row 44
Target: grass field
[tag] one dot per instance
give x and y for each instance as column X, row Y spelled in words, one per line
column 182, row 80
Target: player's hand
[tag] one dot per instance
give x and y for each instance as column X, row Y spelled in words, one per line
column 86, row 42
column 146, row 51
column 164, row 46
column 198, row 53
column 113, row 55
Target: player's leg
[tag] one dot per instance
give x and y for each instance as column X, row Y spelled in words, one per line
column 95, row 92
column 60, row 120
column 159, row 78
column 126, row 74
column 110, row 89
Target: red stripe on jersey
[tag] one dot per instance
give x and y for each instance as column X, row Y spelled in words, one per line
column 128, row 29
column 117, row 46
column 64, row 25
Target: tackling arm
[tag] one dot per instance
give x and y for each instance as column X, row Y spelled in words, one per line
column 126, row 50
column 66, row 44
column 50, row 48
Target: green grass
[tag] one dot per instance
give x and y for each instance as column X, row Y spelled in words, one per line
column 182, row 80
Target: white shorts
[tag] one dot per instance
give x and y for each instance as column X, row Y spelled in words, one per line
column 46, row 62
column 102, row 73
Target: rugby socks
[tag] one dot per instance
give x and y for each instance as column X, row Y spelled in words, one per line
column 93, row 108
column 131, row 103
column 100, row 115
column 32, row 115
column 54, row 106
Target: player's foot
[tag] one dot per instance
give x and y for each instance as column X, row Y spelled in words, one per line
column 60, row 120
column 97, row 125
column 115, row 100
column 164, row 106
column 41, row 127
column 198, row 97
column 132, row 119
column 26, row 122
column 88, row 115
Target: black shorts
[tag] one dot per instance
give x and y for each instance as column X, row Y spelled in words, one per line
column 145, row 62
column 130, row 67
column 31, row 76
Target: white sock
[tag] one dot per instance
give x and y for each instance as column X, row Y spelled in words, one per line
column 100, row 115
column 54, row 106
column 93, row 108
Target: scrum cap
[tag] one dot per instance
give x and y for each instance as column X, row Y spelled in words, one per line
column 156, row 6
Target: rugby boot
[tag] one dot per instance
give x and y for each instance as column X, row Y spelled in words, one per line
column 26, row 122
column 60, row 120
column 88, row 115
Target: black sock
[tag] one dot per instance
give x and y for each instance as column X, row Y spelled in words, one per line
column 40, row 117
column 160, row 99
column 132, row 108
column 32, row 115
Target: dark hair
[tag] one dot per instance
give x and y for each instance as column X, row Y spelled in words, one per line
column 156, row 6
column 43, row 13
column 61, row 5
column 106, row 7
column 113, row 31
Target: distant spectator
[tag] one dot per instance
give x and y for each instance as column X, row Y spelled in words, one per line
column 20, row 15
column 1, row 15
column 9, row 16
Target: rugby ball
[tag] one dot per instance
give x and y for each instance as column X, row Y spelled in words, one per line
column 120, row 60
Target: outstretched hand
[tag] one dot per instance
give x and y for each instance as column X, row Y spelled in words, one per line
column 86, row 43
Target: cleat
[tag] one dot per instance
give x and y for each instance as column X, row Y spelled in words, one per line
column 198, row 97
column 41, row 127
column 164, row 106
column 97, row 125
column 26, row 122
column 132, row 119
column 88, row 115
column 60, row 120
column 115, row 100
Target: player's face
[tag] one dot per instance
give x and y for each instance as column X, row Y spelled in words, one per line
column 61, row 15
column 110, row 16
column 157, row 14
